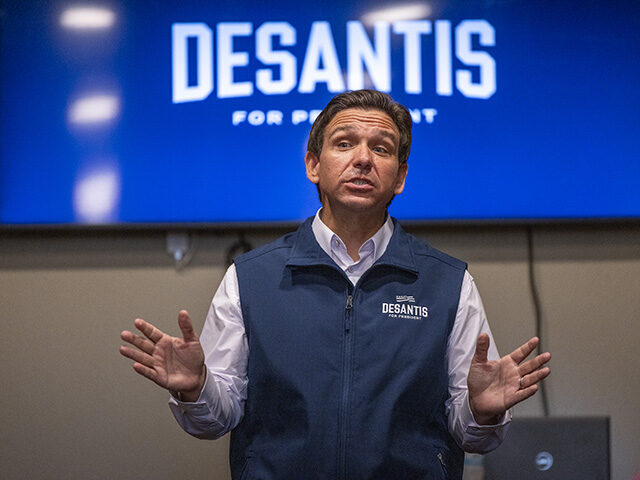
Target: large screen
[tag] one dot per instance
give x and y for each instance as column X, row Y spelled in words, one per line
column 120, row 112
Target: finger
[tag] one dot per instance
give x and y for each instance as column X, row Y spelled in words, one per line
column 534, row 364
column 145, row 371
column 523, row 351
column 523, row 394
column 137, row 355
column 143, row 344
column 535, row 377
column 151, row 332
column 184, row 322
column 482, row 347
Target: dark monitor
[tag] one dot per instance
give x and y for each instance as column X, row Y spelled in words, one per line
column 552, row 449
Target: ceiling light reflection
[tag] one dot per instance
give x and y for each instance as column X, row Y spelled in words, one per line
column 94, row 109
column 96, row 196
column 413, row 11
column 87, row 18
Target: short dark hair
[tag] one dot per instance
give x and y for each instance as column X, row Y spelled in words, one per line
column 364, row 100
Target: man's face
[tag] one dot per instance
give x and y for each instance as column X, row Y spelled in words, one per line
column 358, row 169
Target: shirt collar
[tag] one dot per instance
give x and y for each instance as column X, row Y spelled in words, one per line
column 380, row 240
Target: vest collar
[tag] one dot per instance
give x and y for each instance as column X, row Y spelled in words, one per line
column 307, row 251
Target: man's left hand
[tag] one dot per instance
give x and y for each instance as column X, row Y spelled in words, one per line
column 496, row 386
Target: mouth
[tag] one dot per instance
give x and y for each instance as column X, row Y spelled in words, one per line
column 359, row 186
column 360, row 181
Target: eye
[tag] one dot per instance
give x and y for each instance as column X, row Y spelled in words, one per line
column 380, row 149
column 344, row 144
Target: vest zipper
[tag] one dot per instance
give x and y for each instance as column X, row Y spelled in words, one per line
column 346, row 382
column 348, row 306
column 442, row 464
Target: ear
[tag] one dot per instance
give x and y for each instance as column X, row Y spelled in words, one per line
column 313, row 164
column 402, row 176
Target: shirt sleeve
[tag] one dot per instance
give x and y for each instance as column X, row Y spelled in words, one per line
column 220, row 405
column 470, row 322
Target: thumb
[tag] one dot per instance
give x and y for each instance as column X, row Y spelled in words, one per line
column 482, row 347
column 184, row 322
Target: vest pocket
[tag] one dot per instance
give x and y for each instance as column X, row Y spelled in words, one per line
column 246, row 470
column 443, row 464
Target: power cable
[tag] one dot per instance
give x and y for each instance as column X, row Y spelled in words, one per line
column 538, row 313
column 241, row 246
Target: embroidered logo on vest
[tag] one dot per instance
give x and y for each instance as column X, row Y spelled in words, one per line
column 403, row 308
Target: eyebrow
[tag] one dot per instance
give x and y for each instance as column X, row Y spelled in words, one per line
column 379, row 131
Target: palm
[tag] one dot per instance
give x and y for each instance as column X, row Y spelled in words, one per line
column 493, row 385
column 177, row 363
column 174, row 363
column 496, row 386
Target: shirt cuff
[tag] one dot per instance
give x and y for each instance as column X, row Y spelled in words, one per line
column 469, row 420
column 176, row 399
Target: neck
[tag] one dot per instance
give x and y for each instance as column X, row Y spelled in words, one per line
column 353, row 229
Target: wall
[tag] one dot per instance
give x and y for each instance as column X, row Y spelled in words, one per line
column 73, row 408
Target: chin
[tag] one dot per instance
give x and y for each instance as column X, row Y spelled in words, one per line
column 364, row 206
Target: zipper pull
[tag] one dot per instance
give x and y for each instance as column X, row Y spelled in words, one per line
column 347, row 317
column 349, row 302
column 442, row 464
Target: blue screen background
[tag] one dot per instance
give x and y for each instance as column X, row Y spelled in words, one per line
column 560, row 138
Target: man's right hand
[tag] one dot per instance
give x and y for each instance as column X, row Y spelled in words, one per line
column 176, row 364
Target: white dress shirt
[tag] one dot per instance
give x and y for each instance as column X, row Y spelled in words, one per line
column 221, row 403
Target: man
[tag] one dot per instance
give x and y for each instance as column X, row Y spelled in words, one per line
column 348, row 349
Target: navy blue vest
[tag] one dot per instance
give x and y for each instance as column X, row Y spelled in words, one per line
column 346, row 383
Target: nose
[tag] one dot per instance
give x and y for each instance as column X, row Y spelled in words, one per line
column 363, row 157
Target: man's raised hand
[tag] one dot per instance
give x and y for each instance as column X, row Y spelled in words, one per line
column 176, row 364
column 496, row 386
